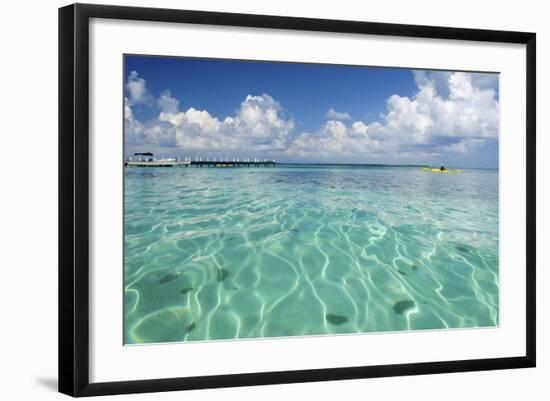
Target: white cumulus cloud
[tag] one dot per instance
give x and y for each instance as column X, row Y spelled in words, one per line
column 136, row 88
column 259, row 124
column 448, row 113
column 337, row 115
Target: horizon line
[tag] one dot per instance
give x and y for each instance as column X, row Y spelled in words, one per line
column 304, row 163
column 381, row 165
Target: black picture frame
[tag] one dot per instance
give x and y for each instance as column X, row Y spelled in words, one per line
column 74, row 198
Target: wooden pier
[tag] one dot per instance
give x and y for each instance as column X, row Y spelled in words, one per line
column 229, row 163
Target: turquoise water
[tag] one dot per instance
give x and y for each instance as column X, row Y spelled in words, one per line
column 307, row 250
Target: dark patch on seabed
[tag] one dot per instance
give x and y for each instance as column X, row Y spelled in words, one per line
column 464, row 249
column 190, row 328
column 403, row 306
column 336, row 319
column 169, row 277
column 222, row 275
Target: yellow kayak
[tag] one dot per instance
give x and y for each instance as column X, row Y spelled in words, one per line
column 436, row 170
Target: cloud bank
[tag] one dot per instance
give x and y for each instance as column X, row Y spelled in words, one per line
column 258, row 125
column 451, row 113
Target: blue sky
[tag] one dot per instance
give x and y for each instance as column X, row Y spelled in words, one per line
column 301, row 112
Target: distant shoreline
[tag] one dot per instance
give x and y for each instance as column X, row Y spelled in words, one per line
column 354, row 164
column 381, row 165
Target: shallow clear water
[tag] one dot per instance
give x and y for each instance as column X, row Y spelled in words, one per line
column 259, row 252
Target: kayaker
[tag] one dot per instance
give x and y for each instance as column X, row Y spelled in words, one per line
column 442, row 168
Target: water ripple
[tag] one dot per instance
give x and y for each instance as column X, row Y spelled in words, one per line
column 246, row 253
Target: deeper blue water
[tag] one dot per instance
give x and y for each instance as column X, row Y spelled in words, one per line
column 214, row 253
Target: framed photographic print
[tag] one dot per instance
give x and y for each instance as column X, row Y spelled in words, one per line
column 279, row 199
